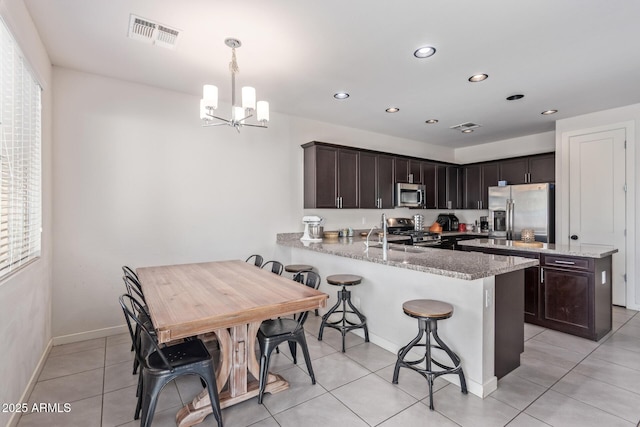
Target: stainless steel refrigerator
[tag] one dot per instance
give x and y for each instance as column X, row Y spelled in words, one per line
column 524, row 206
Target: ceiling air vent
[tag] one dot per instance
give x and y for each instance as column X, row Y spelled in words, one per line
column 465, row 126
column 153, row 33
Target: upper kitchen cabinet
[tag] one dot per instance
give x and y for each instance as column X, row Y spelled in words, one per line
column 449, row 193
column 408, row 170
column 430, row 180
column 530, row 169
column 477, row 180
column 330, row 177
column 376, row 181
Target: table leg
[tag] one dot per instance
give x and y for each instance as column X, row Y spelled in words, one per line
column 237, row 359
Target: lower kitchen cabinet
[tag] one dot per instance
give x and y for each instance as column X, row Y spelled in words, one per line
column 566, row 294
column 575, row 295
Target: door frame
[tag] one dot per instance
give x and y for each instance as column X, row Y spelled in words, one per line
column 562, row 196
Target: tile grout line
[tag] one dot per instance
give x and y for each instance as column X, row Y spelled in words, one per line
column 571, row 370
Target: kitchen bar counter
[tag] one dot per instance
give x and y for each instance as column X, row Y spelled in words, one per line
column 574, row 249
column 486, row 291
column 461, row 265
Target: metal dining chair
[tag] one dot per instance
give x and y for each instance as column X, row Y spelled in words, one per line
column 159, row 366
column 256, row 260
column 277, row 331
column 276, row 267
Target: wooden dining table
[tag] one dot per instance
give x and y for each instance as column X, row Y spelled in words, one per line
column 229, row 299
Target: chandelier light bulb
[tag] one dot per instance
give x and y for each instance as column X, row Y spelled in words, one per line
column 210, row 96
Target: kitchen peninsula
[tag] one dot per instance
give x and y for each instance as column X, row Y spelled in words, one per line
column 486, row 291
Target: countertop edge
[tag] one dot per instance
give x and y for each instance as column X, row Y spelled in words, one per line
column 564, row 250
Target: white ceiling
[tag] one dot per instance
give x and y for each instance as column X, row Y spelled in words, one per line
column 577, row 56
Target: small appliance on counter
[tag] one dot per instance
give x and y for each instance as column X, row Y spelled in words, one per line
column 312, row 229
column 449, row 222
column 484, row 224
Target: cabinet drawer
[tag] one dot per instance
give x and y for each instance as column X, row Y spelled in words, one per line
column 566, row 262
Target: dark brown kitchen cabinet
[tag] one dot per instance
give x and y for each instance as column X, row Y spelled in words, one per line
column 449, row 187
column 529, row 169
column 430, row 180
column 477, row 180
column 575, row 295
column 408, row 170
column 376, row 181
column 330, row 177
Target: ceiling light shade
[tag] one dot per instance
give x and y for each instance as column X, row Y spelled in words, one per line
column 263, row 111
column 424, row 52
column 239, row 114
column 478, row 78
column 341, row 95
column 547, row 112
column 249, row 98
column 392, row 110
column 467, row 130
column 431, row 121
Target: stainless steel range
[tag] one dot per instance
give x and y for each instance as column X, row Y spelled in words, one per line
column 406, row 227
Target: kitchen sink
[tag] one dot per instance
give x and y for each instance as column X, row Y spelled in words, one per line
column 398, row 248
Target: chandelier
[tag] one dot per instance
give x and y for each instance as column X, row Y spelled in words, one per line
column 239, row 114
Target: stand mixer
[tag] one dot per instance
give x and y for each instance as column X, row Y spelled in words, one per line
column 312, row 229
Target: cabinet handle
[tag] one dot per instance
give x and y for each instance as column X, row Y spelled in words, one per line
column 541, row 275
column 564, row 262
column 410, row 178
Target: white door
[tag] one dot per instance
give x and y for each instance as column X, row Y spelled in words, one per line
column 597, row 198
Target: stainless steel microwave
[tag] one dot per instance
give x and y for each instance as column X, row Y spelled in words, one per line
column 410, row 195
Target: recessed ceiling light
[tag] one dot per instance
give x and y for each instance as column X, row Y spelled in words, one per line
column 547, row 112
column 392, row 110
column 424, row 52
column 467, row 130
column 341, row 95
column 431, row 121
column 478, row 77
column 515, row 97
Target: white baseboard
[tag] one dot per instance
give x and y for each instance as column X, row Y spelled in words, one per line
column 89, row 335
column 15, row 418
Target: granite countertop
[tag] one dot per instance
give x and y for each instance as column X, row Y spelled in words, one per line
column 458, row 264
column 574, row 249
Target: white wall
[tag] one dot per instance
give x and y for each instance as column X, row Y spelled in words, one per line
column 629, row 118
column 25, row 297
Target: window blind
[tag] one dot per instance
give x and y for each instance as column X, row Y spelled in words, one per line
column 20, row 158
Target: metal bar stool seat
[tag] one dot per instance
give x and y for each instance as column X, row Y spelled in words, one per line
column 344, row 325
column 428, row 312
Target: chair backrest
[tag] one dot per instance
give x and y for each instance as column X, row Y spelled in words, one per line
column 128, row 271
column 275, row 266
column 131, row 306
column 311, row 279
column 256, row 260
column 133, row 288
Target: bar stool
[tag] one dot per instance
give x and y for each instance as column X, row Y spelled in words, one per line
column 428, row 312
column 344, row 297
column 297, row 268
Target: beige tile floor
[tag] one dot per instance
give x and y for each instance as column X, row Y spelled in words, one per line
column 562, row 381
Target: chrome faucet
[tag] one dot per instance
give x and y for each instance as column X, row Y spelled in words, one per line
column 385, row 243
column 366, row 244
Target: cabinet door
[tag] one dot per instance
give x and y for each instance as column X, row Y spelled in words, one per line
column 368, row 176
column 385, row 182
column 326, row 177
column 454, row 187
column 490, row 173
column 441, row 172
column 430, row 180
column 401, row 169
column 415, row 171
column 348, row 178
column 542, row 168
column 514, row 171
column 567, row 299
column 472, row 186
